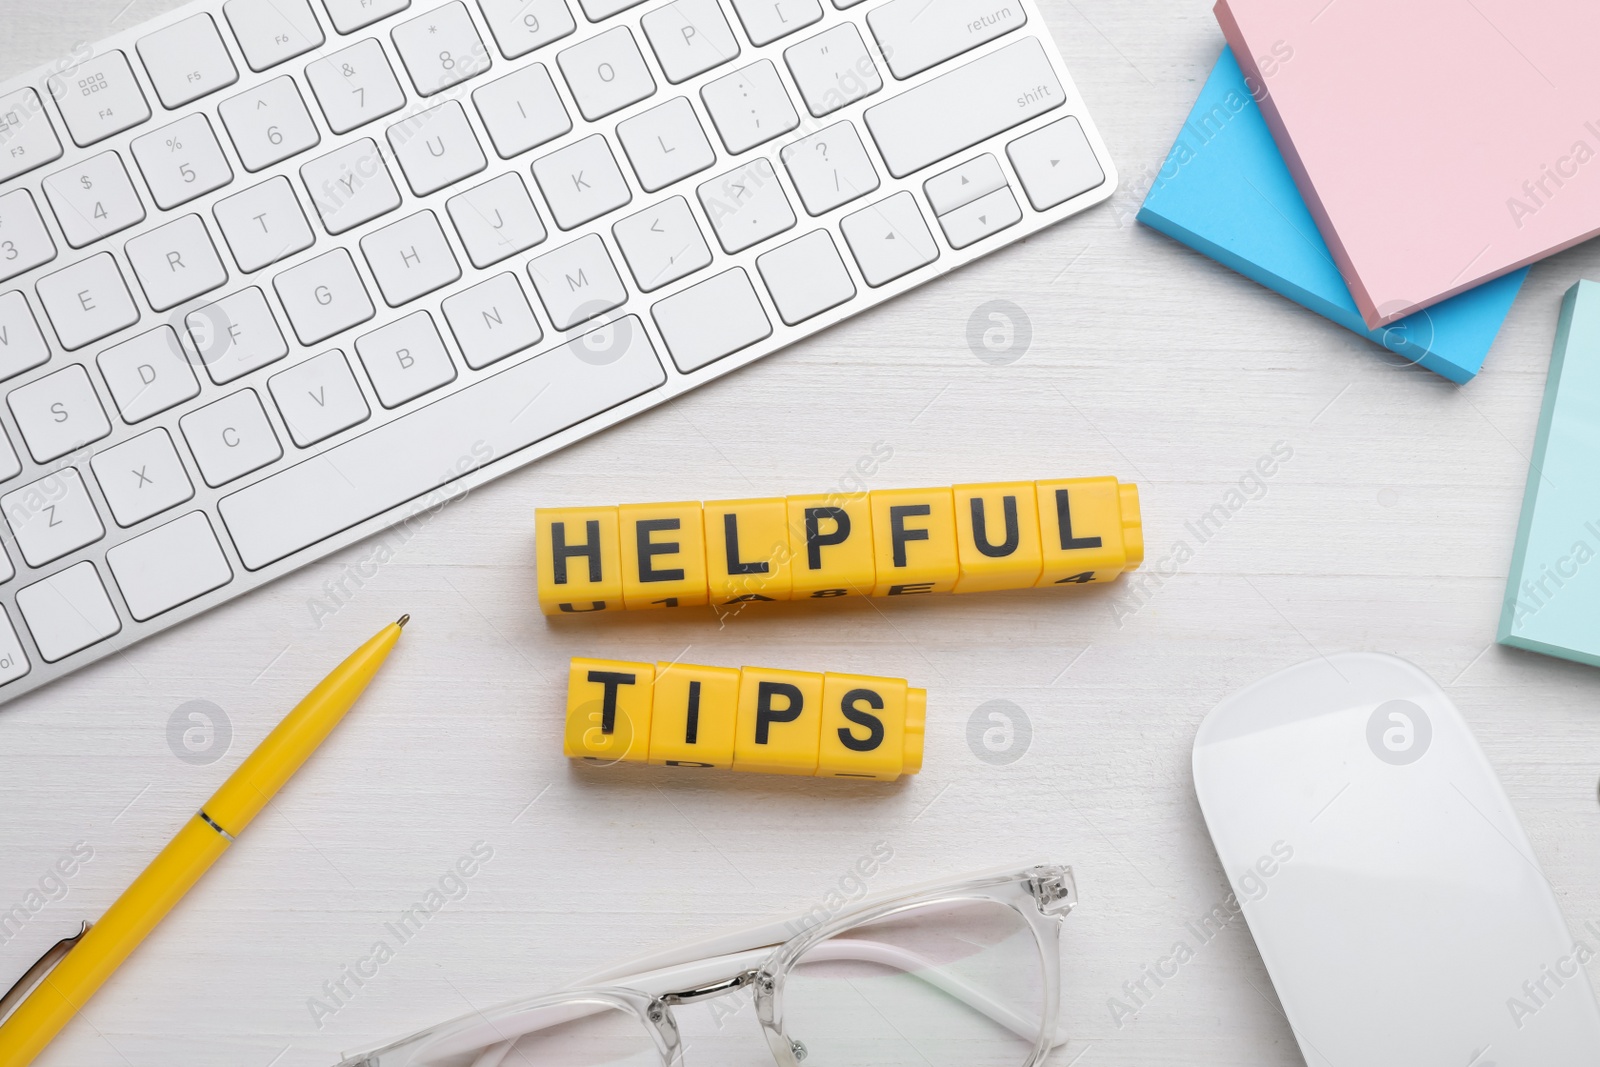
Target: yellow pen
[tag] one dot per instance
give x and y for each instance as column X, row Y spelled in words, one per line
column 87, row 960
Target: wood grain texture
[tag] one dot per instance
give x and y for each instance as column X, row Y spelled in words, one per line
column 1389, row 529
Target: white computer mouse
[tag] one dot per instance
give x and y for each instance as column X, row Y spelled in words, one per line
column 1391, row 890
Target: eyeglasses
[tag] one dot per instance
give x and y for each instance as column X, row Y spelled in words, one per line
column 953, row 974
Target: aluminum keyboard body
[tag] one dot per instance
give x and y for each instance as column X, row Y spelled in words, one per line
column 278, row 274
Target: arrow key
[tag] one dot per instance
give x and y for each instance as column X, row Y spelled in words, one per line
column 987, row 215
column 1055, row 163
column 889, row 239
column 964, row 184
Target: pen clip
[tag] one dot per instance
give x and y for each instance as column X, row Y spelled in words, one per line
column 36, row 974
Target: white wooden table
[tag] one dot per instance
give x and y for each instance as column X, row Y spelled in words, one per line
column 1390, row 529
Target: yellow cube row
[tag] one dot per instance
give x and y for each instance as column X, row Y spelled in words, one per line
column 889, row 542
column 746, row 719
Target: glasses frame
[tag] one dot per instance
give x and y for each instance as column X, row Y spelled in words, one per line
column 760, row 959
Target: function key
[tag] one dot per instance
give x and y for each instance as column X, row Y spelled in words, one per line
column 101, row 98
column 187, row 60
column 350, row 15
column 271, row 31
column 26, row 139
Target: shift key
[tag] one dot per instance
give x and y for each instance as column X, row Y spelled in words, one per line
column 954, row 111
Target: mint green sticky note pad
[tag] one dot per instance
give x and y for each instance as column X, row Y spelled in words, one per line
column 1552, row 600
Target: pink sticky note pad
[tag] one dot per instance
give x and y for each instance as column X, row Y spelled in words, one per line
column 1438, row 143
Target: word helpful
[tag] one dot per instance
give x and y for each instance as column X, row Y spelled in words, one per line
column 894, row 542
column 744, row 719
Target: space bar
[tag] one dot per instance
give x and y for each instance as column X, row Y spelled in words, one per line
column 427, row 448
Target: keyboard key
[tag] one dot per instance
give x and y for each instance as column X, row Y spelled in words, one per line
column 805, row 277
column 576, row 282
column 13, row 659
column 149, row 374
column 52, row 516
column 168, row 566
column 749, row 106
column 746, row 206
column 595, row 10
column 176, row 262
column 410, row 258
column 581, row 182
column 689, row 37
column 22, row 345
column 272, row 31
column 606, row 73
column 318, row 398
column 889, row 239
column 662, row 244
column 436, row 148
column 181, row 161
column 87, row 301
column 187, row 60
column 142, row 477
column 964, row 183
column 832, row 69
column 24, row 242
column 348, row 16
column 236, row 335
column 829, row 168
column 230, row 438
column 323, row 296
column 405, row 359
column 27, row 140
column 355, row 85
column 492, row 320
column 522, row 110
column 263, row 224
column 350, row 185
column 269, row 124
column 1055, row 164
column 767, row 20
column 940, row 117
column 416, row 453
column 665, row 144
column 496, row 220
column 520, row 26
column 710, row 320
column 58, row 413
column 441, row 48
column 93, row 199
column 10, row 467
column 983, row 217
column 99, row 99
column 68, row 611
column 914, row 35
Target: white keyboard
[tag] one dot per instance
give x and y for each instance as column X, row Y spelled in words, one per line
column 277, row 274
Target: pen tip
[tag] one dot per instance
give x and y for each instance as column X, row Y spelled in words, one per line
column 402, row 620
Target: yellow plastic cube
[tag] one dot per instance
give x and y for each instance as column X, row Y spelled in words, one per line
column 1083, row 531
column 579, row 566
column 863, row 727
column 608, row 710
column 663, row 555
column 997, row 536
column 914, row 541
column 780, row 719
column 694, row 714
column 831, row 538
column 747, row 550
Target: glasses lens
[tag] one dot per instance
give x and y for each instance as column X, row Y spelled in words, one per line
column 952, row 984
column 573, row 1034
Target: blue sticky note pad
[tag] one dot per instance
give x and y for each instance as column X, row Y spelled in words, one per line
column 1552, row 600
column 1224, row 190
